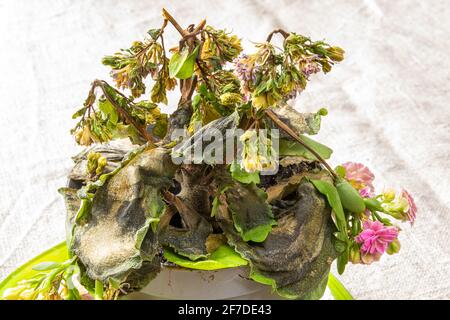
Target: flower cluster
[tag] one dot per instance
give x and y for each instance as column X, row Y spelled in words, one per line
column 219, row 47
column 360, row 177
column 246, row 70
column 131, row 66
column 400, row 205
column 271, row 75
column 374, row 240
column 96, row 162
column 55, row 281
column 113, row 116
column 257, row 153
column 373, row 233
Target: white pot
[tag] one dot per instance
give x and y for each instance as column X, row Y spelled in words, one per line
column 178, row 283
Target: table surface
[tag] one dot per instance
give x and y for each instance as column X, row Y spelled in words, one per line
column 388, row 108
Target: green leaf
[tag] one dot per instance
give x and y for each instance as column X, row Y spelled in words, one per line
column 215, row 206
column 127, row 131
column 85, row 208
column 98, row 290
column 79, row 113
column 182, row 65
column 223, row 257
column 342, row 261
column 339, row 244
column 154, row 33
column 332, row 195
column 44, row 266
column 238, row 174
column 59, row 253
column 340, row 171
column 314, row 121
column 318, row 292
column 160, row 127
column 196, row 100
column 108, row 110
column 252, row 215
column 337, row 289
column 255, row 276
column 293, row 148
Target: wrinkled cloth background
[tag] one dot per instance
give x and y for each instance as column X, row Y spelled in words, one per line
column 389, row 107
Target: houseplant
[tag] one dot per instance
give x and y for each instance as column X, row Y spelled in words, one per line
column 269, row 203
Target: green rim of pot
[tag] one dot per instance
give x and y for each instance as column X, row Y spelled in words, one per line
column 57, row 253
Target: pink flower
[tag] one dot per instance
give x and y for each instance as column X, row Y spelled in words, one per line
column 366, row 192
column 359, row 175
column 375, row 239
column 412, row 208
column 310, row 66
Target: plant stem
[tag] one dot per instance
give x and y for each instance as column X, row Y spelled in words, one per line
column 122, row 111
column 294, row 135
column 280, row 31
column 98, row 290
column 171, row 19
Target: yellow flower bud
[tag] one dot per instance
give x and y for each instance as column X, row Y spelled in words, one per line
column 355, row 255
column 336, row 53
column 86, row 136
column 249, row 164
column 248, row 135
column 101, row 163
column 78, row 135
column 28, row 294
column 388, row 195
column 260, row 102
column 12, row 293
column 230, row 98
column 326, row 67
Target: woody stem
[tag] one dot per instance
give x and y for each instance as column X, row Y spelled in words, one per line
column 294, row 135
column 102, row 84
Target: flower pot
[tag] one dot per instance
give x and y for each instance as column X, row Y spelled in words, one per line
column 180, row 283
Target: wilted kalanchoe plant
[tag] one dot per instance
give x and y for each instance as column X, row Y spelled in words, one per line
column 271, row 204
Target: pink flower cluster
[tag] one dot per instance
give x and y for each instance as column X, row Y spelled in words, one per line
column 359, row 176
column 375, row 239
column 378, row 235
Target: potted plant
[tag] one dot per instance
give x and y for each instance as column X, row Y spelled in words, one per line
column 229, row 185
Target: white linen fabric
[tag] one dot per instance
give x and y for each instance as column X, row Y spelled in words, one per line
column 388, row 108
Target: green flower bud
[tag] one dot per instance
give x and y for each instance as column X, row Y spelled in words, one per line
column 350, row 198
column 355, row 255
column 373, row 204
column 322, row 111
column 393, row 247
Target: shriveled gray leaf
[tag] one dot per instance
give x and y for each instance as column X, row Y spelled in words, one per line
column 251, row 213
column 298, row 252
column 117, row 237
column 216, row 128
column 192, row 204
column 301, row 123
